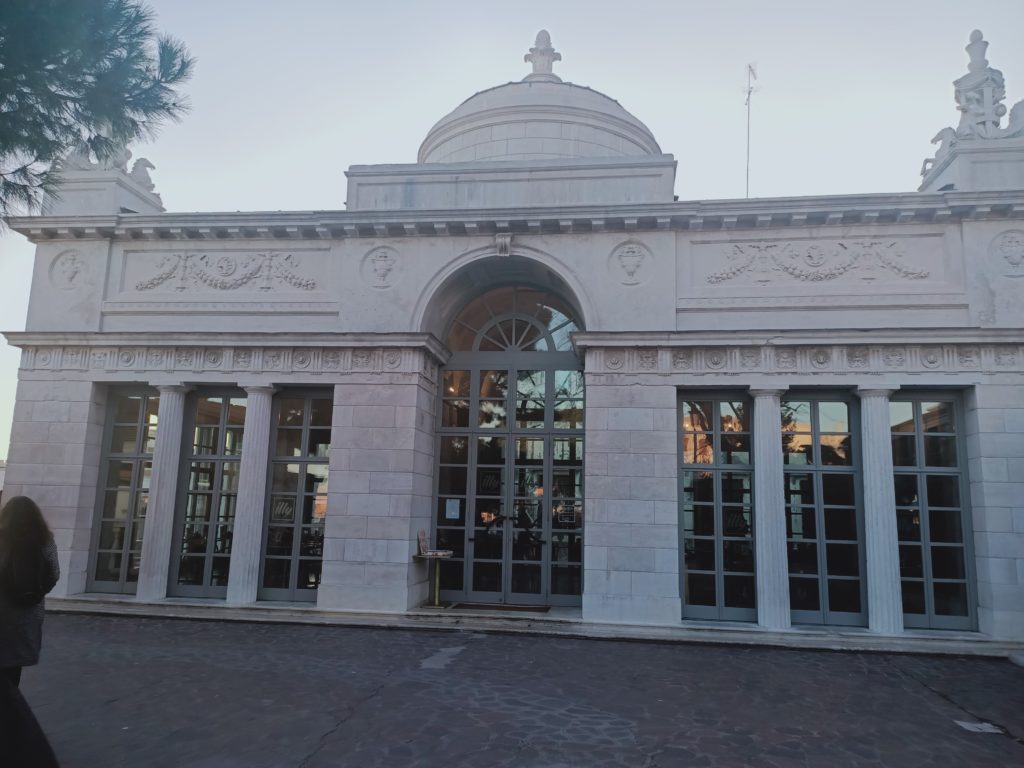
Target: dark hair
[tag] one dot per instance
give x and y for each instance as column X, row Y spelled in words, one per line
column 22, row 524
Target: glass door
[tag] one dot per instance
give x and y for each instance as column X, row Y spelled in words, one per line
column 823, row 516
column 510, row 471
column 207, row 495
column 123, row 491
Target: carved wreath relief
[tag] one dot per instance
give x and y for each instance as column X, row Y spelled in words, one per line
column 228, row 272
column 817, row 262
column 630, row 263
column 1010, row 246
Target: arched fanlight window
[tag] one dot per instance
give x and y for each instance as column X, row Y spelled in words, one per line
column 514, row 319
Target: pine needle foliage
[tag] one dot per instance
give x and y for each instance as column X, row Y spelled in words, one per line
column 78, row 74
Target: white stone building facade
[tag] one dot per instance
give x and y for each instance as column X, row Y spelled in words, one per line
column 776, row 411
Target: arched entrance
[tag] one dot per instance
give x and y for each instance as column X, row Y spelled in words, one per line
column 510, row 452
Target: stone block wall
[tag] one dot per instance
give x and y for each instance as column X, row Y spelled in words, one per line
column 995, row 455
column 380, row 493
column 54, row 457
column 631, row 556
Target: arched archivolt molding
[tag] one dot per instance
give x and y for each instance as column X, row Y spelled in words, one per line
column 481, row 269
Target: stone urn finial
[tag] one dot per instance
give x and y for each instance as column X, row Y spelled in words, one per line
column 543, row 56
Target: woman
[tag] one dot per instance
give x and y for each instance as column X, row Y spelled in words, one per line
column 25, row 540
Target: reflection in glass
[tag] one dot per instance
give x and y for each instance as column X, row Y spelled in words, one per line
column 844, row 595
column 454, row 450
column 796, row 416
column 490, row 450
column 803, row 594
column 698, row 448
column 901, row 416
column 697, row 416
column 833, row 416
column 937, row 417
column 734, row 416
column 943, row 491
column 904, row 451
column 940, row 451
column 835, row 450
column 797, row 449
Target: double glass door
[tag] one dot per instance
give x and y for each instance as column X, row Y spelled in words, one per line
column 510, row 481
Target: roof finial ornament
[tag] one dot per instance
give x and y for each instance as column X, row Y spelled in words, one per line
column 976, row 51
column 543, row 56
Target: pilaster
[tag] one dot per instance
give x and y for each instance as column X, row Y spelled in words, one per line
column 247, row 535
column 381, row 493
column 157, row 542
column 881, row 543
column 771, row 562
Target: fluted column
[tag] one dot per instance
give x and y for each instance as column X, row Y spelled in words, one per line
column 771, row 561
column 163, row 486
column 881, row 541
column 247, row 536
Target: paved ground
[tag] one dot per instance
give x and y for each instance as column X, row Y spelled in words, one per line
column 158, row 692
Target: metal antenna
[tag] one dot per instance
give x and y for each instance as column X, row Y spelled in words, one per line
column 751, row 76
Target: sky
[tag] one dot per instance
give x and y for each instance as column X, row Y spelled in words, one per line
column 286, row 96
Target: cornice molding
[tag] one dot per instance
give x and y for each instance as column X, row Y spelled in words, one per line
column 694, row 216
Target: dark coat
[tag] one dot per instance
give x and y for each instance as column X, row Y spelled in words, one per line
column 21, row 629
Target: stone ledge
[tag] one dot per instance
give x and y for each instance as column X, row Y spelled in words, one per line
column 561, row 623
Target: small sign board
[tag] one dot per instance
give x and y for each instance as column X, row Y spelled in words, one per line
column 451, row 509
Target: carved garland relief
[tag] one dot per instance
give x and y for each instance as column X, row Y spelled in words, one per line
column 816, row 262
column 228, row 272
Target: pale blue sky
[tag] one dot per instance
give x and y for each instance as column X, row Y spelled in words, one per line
column 287, row 95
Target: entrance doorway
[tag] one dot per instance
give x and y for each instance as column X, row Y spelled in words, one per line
column 510, row 454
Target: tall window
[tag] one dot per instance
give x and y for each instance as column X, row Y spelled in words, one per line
column 124, row 490
column 510, row 453
column 716, row 509
column 210, row 489
column 823, row 520
column 930, row 511
column 297, row 503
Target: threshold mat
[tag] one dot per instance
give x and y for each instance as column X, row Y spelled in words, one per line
column 501, row 607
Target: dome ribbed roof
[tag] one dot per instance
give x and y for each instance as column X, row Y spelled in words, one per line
column 539, row 118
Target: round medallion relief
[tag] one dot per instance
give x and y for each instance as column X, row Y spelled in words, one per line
column 68, row 271
column 1009, row 246
column 631, row 263
column 381, row 268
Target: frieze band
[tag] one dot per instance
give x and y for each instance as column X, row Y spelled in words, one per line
column 854, row 358
column 289, row 360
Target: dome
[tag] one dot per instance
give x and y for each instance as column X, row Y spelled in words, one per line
column 538, row 118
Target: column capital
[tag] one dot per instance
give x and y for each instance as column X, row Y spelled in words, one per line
column 757, row 392
column 258, row 389
column 885, row 392
column 169, row 389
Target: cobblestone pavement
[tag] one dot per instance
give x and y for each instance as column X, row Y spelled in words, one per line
column 195, row 694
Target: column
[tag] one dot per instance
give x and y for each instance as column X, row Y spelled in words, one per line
column 885, row 600
column 770, row 557
column 163, row 485
column 247, row 535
